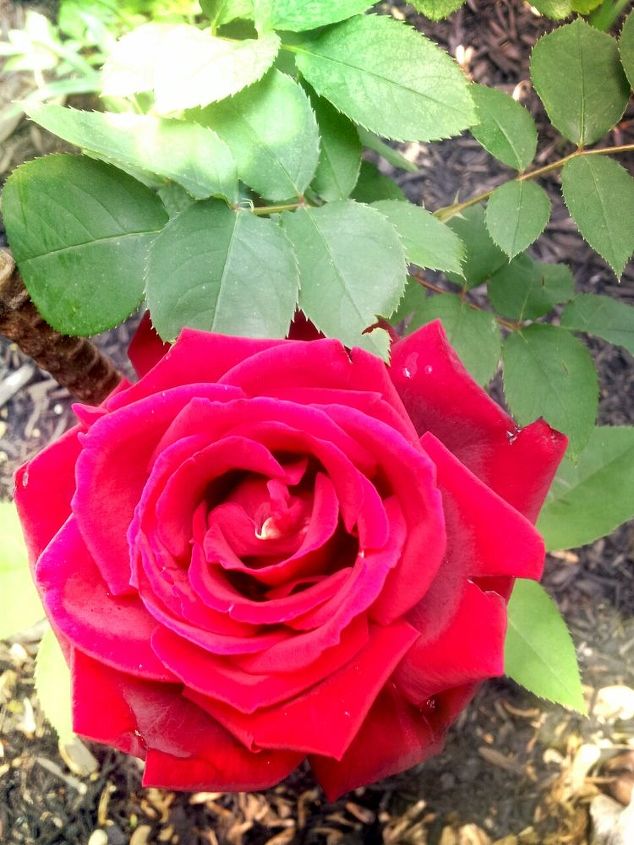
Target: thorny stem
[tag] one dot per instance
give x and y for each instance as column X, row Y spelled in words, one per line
column 277, row 209
column 75, row 362
column 450, row 211
column 418, row 276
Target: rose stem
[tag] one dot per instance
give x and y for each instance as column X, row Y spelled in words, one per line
column 74, row 362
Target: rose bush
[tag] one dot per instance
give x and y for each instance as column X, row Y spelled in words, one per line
column 264, row 551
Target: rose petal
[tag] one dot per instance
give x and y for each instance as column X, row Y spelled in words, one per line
column 44, row 488
column 146, row 347
column 115, row 630
column 470, row 649
column 441, row 397
column 112, row 470
column 225, row 681
column 93, row 684
column 195, row 357
column 394, row 736
column 340, row 703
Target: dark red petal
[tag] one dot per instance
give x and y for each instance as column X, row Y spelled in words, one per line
column 395, row 735
column 146, row 348
column 225, row 681
column 441, row 397
column 195, row 357
column 112, row 470
column 326, row 719
column 44, row 488
column 114, row 724
column 486, row 538
column 470, row 649
column 115, row 630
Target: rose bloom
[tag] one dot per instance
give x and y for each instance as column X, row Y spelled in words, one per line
column 265, row 551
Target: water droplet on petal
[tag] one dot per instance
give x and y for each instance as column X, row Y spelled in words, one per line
column 428, row 369
column 25, row 478
column 407, row 372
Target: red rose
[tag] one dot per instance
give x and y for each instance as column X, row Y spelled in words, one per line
column 271, row 550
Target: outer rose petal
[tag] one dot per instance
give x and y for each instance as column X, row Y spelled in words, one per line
column 395, row 736
column 44, row 488
column 327, row 718
column 441, row 397
column 146, row 348
column 470, row 649
column 100, row 711
column 195, row 357
column 114, row 630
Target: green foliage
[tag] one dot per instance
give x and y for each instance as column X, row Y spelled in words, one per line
column 372, row 186
column 505, row 128
column 271, row 130
column 79, row 231
column 602, row 317
column 526, row 289
column 21, row 605
column 190, row 155
column 53, row 686
column 351, row 267
column 516, row 215
column 219, row 270
column 474, row 334
column 221, row 12
column 436, row 10
column 185, row 67
column 385, row 76
column 549, row 373
column 391, row 155
column 482, row 257
column 298, row 15
column 555, row 9
column 599, row 194
column 577, row 73
column 626, row 48
column 339, row 156
column 539, row 653
column 592, row 496
column 428, row 242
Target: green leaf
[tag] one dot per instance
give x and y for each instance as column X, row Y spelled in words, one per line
column 392, row 156
column 80, row 230
column 174, row 198
column 482, row 257
column 299, row 15
column 184, row 66
column 272, row 132
column 191, row 155
column 554, row 9
column 505, row 128
column 53, row 686
column 352, row 269
column 340, row 153
column 474, row 334
column 428, row 242
column 601, row 316
column 592, row 497
column 517, row 214
column 218, row 270
column 577, row 73
column 626, row 48
column 526, row 289
column 549, row 373
column 436, row 10
column 221, row 12
column 539, row 652
column 372, row 186
column 21, row 605
column 386, row 77
column 599, row 194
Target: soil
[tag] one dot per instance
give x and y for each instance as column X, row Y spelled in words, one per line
column 515, row 770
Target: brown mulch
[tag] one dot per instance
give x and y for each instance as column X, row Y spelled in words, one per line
column 515, row 771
